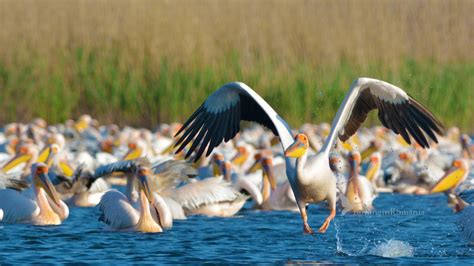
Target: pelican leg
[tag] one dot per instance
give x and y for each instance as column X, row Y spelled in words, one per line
column 328, row 220
column 306, row 228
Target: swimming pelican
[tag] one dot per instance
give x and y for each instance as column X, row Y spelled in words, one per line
column 45, row 209
column 359, row 192
column 270, row 195
column 119, row 214
column 310, row 177
column 164, row 178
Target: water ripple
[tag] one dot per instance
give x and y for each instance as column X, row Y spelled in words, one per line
column 424, row 223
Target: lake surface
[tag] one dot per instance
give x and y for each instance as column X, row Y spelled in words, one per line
column 419, row 228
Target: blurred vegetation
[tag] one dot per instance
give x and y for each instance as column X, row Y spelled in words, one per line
column 145, row 62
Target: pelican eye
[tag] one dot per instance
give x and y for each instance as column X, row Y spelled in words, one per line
column 42, row 169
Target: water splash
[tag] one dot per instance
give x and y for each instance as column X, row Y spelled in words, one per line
column 340, row 250
column 393, row 249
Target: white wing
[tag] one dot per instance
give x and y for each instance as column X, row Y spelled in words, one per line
column 249, row 186
column 176, row 209
column 16, row 207
column 99, row 185
column 396, row 110
column 204, row 192
column 283, row 198
column 116, row 211
column 164, row 213
column 86, row 159
column 218, row 119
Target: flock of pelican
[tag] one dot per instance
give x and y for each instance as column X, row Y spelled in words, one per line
column 142, row 180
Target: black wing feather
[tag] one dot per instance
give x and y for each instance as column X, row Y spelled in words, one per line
column 207, row 129
column 406, row 118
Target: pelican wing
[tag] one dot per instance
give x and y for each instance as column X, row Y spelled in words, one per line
column 99, row 185
column 244, row 183
column 163, row 212
column 16, row 207
column 218, row 119
column 122, row 166
column 175, row 169
column 176, row 209
column 396, row 110
column 13, row 184
column 204, row 192
column 116, row 211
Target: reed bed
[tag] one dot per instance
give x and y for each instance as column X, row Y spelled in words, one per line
column 145, row 62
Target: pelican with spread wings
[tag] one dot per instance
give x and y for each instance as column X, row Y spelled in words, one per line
column 311, row 179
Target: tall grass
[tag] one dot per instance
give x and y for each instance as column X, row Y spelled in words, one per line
column 145, row 62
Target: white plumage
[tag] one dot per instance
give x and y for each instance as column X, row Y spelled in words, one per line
column 205, row 192
column 16, row 207
column 117, row 212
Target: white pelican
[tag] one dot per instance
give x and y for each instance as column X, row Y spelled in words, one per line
column 310, row 177
column 267, row 195
column 165, row 176
column 45, row 209
column 119, row 214
column 359, row 192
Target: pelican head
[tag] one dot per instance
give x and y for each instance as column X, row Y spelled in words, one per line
column 299, row 146
column 107, row 145
column 453, row 177
column 25, row 154
column 241, row 156
column 374, row 166
column 47, row 154
column 354, row 160
column 41, row 181
column 256, row 165
column 135, row 150
column 142, row 173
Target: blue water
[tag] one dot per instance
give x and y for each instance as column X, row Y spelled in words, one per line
column 423, row 222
